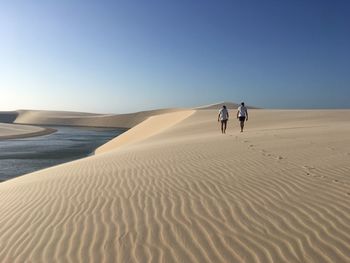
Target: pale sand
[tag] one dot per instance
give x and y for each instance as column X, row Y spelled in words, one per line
column 86, row 119
column 152, row 126
column 16, row 131
column 217, row 106
column 279, row 192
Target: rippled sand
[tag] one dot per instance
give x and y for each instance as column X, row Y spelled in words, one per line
column 174, row 189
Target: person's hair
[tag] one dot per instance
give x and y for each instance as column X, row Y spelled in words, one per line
column 224, row 107
column 242, row 103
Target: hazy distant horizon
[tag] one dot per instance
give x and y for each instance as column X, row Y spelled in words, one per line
column 150, row 107
column 122, row 56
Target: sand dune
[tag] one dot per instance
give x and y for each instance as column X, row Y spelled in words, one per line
column 146, row 129
column 279, row 192
column 86, row 119
column 217, row 106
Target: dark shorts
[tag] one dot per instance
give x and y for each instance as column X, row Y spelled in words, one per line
column 224, row 121
column 241, row 118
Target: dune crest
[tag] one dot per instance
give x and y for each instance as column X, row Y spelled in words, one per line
column 86, row 119
column 146, row 129
column 217, row 106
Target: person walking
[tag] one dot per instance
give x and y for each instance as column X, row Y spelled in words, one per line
column 223, row 117
column 242, row 115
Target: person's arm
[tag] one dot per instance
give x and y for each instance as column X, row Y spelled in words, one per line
column 219, row 117
column 246, row 115
column 228, row 116
column 237, row 113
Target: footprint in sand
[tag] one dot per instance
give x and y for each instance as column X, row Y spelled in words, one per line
column 335, row 181
column 309, row 168
column 279, row 158
column 265, row 153
column 309, row 171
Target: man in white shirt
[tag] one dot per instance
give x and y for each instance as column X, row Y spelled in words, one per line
column 223, row 117
column 242, row 115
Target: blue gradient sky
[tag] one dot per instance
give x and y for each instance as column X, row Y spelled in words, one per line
column 122, row 56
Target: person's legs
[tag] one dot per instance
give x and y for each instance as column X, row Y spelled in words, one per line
column 223, row 126
column 241, row 120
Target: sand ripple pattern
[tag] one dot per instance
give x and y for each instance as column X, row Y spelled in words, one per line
column 179, row 197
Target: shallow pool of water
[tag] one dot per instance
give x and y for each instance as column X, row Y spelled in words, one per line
column 21, row 156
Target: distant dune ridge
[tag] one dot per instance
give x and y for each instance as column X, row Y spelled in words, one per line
column 41, row 117
column 174, row 189
column 87, row 119
column 129, row 120
column 229, row 105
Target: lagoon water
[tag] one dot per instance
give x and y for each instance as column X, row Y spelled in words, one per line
column 21, row 156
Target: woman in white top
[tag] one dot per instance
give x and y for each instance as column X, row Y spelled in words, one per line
column 242, row 115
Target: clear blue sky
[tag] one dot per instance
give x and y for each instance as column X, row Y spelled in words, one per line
column 122, row 56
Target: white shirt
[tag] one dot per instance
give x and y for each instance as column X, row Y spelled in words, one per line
column 242, row 111
column 223, row 114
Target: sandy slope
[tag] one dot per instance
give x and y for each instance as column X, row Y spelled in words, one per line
column 152, row 126
column 279, row 192
column 86, row 119
column 217, row 106
column 11, row 131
